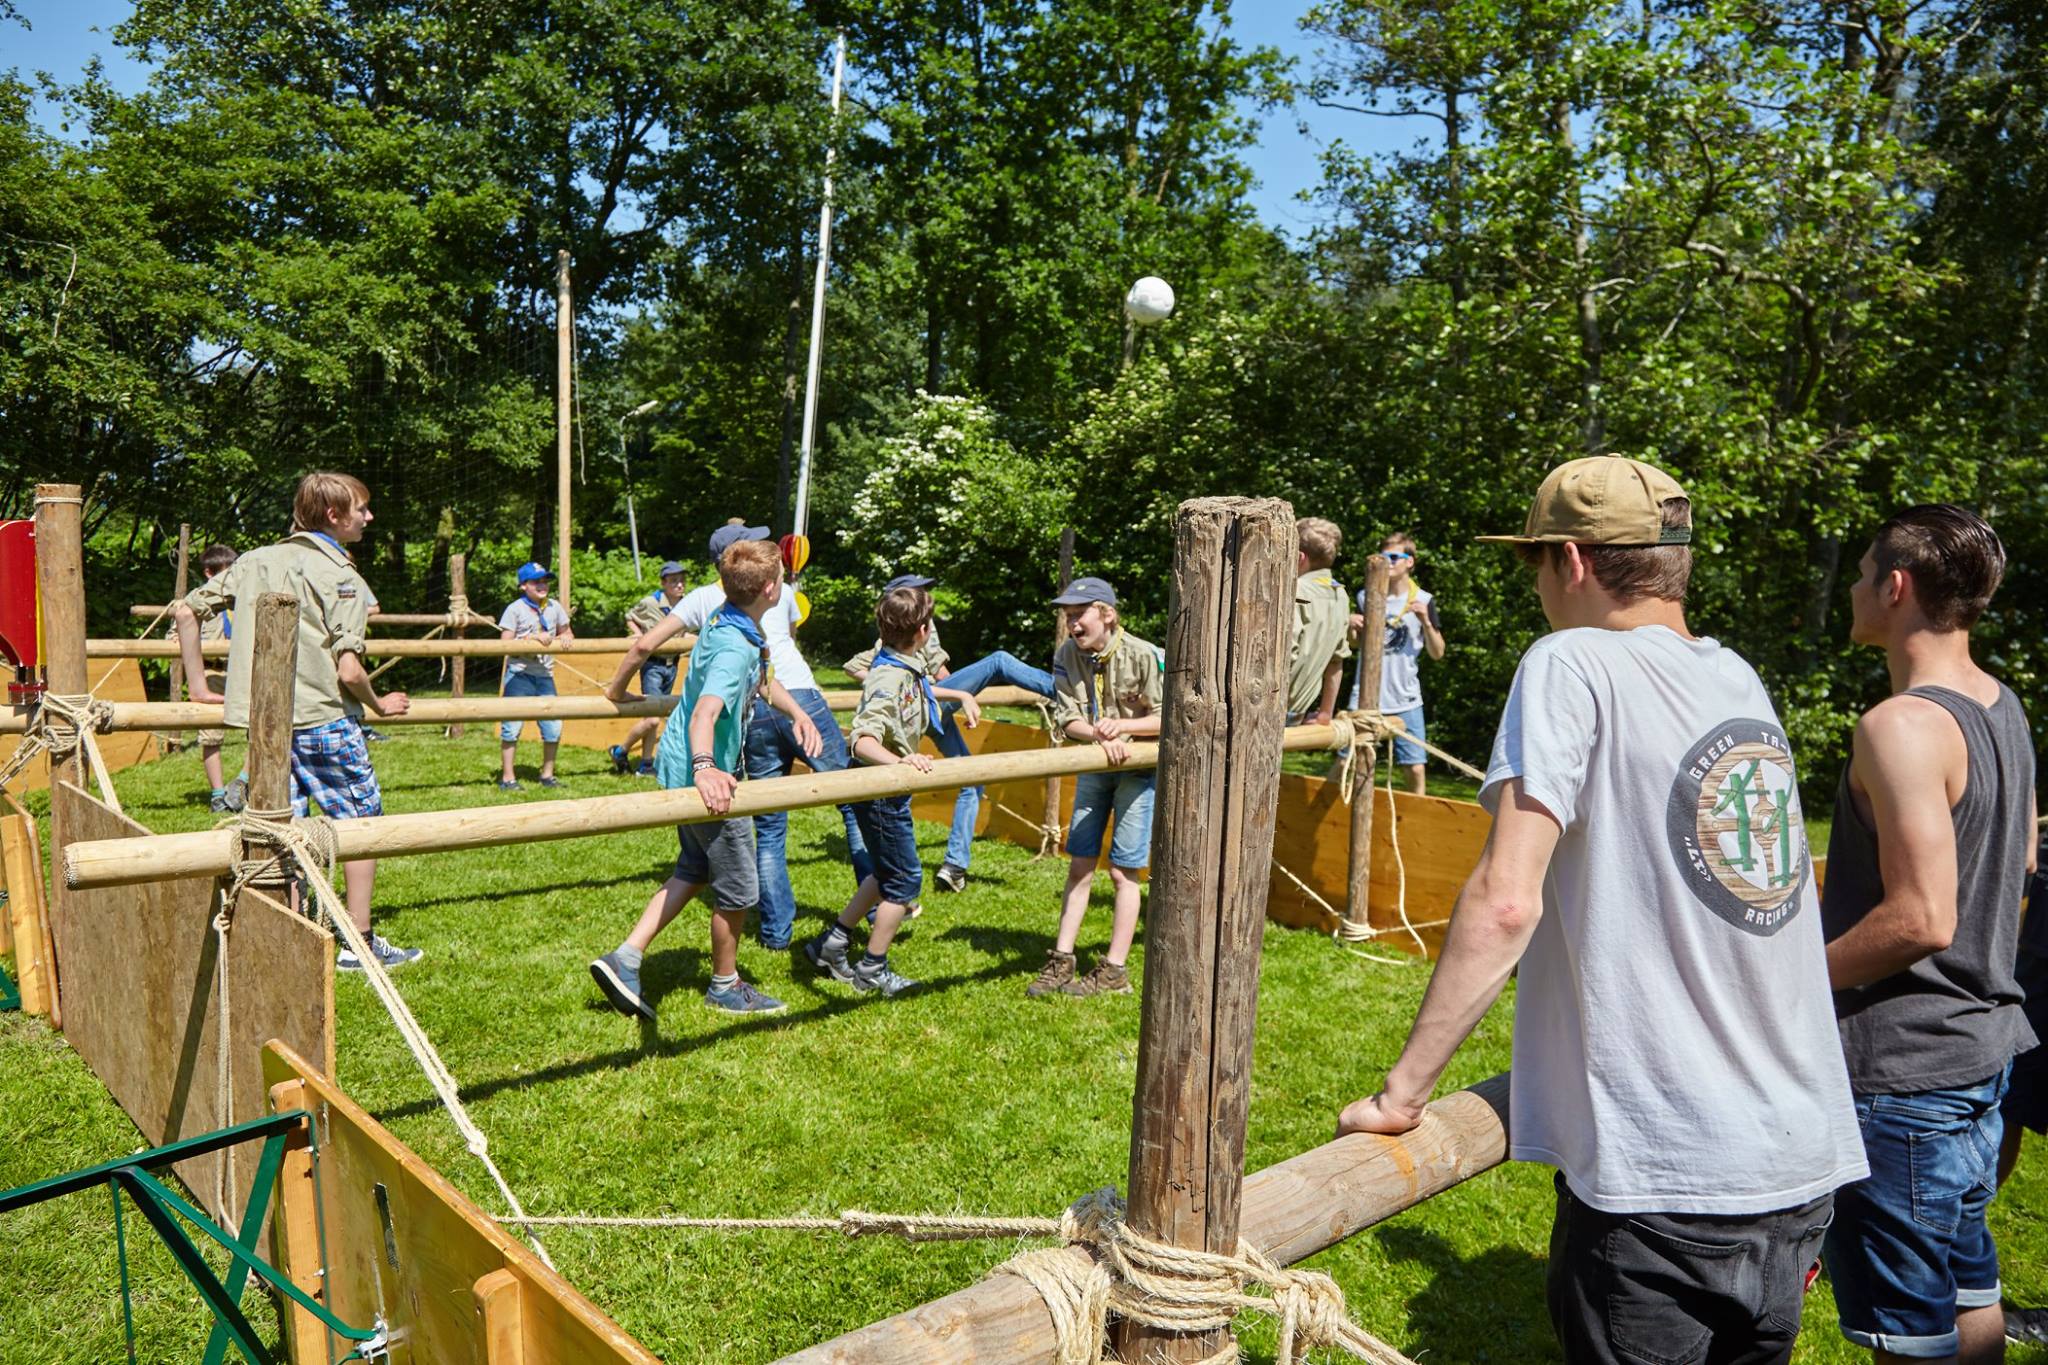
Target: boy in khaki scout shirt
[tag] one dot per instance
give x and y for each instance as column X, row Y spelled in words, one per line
column 1322, row 614
column 1108, row 686
column 898, row 705
column 224, row 797
column 329, row 760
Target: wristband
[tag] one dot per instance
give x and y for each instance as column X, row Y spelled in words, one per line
column 701, row 762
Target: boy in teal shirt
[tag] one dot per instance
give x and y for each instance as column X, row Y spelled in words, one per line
column 704, row 751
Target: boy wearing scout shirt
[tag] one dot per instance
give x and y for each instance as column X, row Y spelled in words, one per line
column 330, row 762
column 1108, row 686
column 658, row 674
column 898, row 705
column 224, row 796
column 1315, row 663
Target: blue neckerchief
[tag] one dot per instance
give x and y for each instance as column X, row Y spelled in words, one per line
column 331, row 541
column 227, row 625
column 933, row 715
column 731, row 615
column 540, row 611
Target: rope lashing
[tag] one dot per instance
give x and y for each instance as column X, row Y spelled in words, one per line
column 311, row 848
column 64, row 724
column 1136, row 1277
column 1349, row 729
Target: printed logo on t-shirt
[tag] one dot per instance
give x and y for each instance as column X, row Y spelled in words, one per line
column 1736, row 828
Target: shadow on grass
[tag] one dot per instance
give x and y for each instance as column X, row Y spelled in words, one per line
column 1489, row 1306
column 653, row 873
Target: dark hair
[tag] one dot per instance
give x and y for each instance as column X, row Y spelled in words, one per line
column 214, row 558
column 1952, row 555
column 1633, row 572
column 899, row 615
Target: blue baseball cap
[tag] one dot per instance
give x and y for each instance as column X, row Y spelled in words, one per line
column 908, row 580
column 671, row 569
column 1082, row 591
column 532, row 570
column 725, row 537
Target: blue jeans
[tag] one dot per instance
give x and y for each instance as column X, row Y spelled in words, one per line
column 1000, row 669
column 772, row 751
column 892, row 843
column 1128, row 795
column 529, row 682
column 1406, row 750
column 1909, row 1247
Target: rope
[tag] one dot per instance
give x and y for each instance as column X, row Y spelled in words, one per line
column 1137, row 1277
column 64, row 724
column 312, row 848
column 1349, row 729
column 1348, row 932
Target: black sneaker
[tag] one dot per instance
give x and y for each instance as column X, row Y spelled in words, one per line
column 621, row 760
column 551, row 781
column 235, row 795
column 828, row 956
column 950, row 878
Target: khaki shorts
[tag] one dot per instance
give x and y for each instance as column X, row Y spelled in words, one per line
column 211, row 739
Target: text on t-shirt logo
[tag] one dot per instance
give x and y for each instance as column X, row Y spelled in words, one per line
column 1735, row 826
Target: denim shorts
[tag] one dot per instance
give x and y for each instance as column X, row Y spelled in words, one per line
column 1129, row 796
column 891, row 837
column 1406, row 750
column 720, row 854
column 1909, row 1247
column 658, row 677
column 529, row 682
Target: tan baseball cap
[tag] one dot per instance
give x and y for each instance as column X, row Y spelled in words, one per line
column 1602, row 500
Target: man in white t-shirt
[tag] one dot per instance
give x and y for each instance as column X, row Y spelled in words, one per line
column 1413, row 627
column 1675, row 1055
column 772, row 744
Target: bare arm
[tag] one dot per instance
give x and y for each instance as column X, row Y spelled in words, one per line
column 800, row 721
column 713, row 783
column 872, row 751
column 1432, row 638
column 638, row 653
column 1907, row 766
column 1490, row 928
column 355, row 680
column 1333, row 682
column 970, row 708
column 188, row 651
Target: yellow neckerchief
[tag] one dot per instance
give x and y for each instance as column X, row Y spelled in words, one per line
column 1115, row 643
column 1394, row 619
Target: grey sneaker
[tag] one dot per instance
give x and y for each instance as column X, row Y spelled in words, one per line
column 1054, row 975
column 950, row 878
column 1107, row 978
column 882, row 977
column 388, row 956
column 741, row 998
column 220, row 803
column 829, row 957
column 235, row 795
column 2027, row 1326
column 621, row 985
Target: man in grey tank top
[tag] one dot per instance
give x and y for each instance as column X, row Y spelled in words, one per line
column 1932, row 846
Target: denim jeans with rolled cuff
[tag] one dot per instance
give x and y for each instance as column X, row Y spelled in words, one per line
column 772, row 751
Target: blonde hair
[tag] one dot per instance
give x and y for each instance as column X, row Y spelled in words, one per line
column 321, row 496
column 747, row 569
column 1320, row 541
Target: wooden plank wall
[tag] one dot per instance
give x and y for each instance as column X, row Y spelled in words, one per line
column 123, row 682
column 463, row 1291
column 139, row 985
column 27, row 917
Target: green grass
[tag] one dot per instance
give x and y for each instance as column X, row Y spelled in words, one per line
column 965, row 1096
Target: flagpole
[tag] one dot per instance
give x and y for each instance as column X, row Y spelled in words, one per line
column 803, row 482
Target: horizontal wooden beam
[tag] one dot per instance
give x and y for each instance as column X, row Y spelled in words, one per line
column 210, row 853
column 377, row 618
column 1292, row 1210
column 399, row 649
column 149, row 716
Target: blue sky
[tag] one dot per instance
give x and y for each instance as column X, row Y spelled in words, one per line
column 66, row 34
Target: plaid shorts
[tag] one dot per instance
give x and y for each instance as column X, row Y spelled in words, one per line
column 331, row 767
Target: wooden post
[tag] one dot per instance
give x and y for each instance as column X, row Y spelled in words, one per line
column 1212, row 843
column 60, row 586
column 29, row 921
column 1059, row 637
column 565, row 342
column 1372, row 643
column 273, row 674
column 497, row 1309
column 458, row 601
column 178, row 589
column 295, row 1232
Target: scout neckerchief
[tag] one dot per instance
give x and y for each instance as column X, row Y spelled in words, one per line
column 540, row 610
column 227, row 624
column 1088, row 675
column 331, row 541
column 730, row 615
column 886, row 658
column 1394, row 618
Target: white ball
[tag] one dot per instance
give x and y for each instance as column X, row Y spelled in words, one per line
column 1150, row 301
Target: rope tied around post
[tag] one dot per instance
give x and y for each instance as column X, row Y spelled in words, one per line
column 1349, row 729
column 63, row 724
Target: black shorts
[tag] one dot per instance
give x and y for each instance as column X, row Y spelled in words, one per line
column 1680, row 1288
column 2026, row 1098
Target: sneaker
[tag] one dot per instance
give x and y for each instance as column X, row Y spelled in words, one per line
column 1054, row 975
column 646, row 768
column 1107, row 978
column 621, row 760
column 621, row 985
column 220, row 803
column 374, row 735
column 235, row 795
column 2027, row 1326
column 884, row 978
column 388, row 956
column 827, row 956
column 512, row 786
column 741, row 998
column 950, row 878
column 551, row 781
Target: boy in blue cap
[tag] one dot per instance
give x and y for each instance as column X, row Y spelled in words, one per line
column 658, row 674
column 532, row 616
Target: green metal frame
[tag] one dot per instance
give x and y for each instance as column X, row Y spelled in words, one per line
column 10, row 995
column 163, row 1208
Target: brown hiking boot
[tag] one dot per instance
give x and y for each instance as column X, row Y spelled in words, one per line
column 1054, row 976
column 1107, row 978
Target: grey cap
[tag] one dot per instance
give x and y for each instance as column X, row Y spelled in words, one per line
column 672, row 569
column 725, row 537
column 908, row 580
column 1082, row 591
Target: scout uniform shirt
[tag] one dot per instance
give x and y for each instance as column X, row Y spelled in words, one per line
column 929, row 656
column 648, row 612
column 1126, row 681
column 896, row 706
column 1322, row 619
column 333, row 615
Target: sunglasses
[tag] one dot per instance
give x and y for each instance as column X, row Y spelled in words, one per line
column 1396, row 556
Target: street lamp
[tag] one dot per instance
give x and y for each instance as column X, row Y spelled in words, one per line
column 632, row 523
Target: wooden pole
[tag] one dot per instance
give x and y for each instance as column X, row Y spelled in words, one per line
column 60, row 589
column 1059, row 637
column 29, row 916
column 382, row 618
column 402, row 649
column 179, row 586
column 1303, row 1205
column 458, row 599
column 1212, row 843
column 1372, row 644
column 273, row 671
column 207, row 853
column 129, row 716
column 565, row 342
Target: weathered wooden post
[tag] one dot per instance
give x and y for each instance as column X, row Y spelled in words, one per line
column 458, row 607
column 1212, row 847
column 60, row 582
column 1372, row 645
column 180, row 585
column 1049, row 846
column 273, row 675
